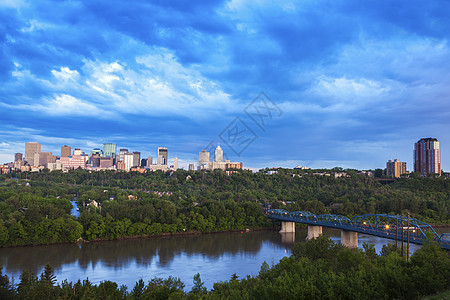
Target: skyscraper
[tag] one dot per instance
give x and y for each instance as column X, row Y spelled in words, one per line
column 31, row 149
column 97, row 151
column 203, row 157
column 18, row 156
column 66, row 151
column 43, row 158
column 395, row 168
column 144, row 162
column 427, row 156
column 122, row 154
column 78, row 151
column 136, row 158
column 218, row 154
column 163, row 156
column 128, row 160
column 110, row 150
column 175, row 163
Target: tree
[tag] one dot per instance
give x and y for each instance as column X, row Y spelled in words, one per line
column 48, row 276
column 199, row 286
column 6, row 289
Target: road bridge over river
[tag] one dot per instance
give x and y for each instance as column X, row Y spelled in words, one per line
column 394, row 227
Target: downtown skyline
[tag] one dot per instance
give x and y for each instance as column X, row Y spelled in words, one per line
column 355, row 84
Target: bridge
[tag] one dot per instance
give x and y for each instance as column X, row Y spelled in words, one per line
column 394, row 227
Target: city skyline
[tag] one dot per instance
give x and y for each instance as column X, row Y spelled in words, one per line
column 426, row 157
column 348, row 84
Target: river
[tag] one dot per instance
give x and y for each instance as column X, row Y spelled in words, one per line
column 215, row 256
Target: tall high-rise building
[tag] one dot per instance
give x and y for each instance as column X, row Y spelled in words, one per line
column 144, row 162
column 18, row 156
column 128, row 160
column 31, row 149
column 175, row 163
column 395, row 168
column 203, row 157
column 163, row 156
column 97, row 151
column 110, row 150
column 191, row 167
column 122, row 153
column 136, row 158
column 149, row 161
column 218, row 154
column 427, row 156
column 78, row 151
column 43, row 158
column 66, row 151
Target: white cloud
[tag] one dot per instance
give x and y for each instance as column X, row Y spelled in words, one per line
column 69, row 105
column 66, row 74
column 155, row 84
column 63, row 105
column 349, row 89
column 35, row 25
column 12, row 3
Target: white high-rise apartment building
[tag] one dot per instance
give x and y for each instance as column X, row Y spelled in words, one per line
column 128, row 160
column 218, row 154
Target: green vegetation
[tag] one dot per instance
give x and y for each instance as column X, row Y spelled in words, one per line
column 318, row 269
column 35, row 207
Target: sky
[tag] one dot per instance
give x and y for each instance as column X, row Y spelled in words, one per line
column 274, row 83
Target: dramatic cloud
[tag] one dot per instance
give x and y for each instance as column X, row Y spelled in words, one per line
column 358, row 82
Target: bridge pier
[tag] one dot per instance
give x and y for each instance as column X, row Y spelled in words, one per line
column 287, row 227
column 314, row 232
column 349, row 239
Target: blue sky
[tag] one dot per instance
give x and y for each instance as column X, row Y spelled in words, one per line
column 348, row 83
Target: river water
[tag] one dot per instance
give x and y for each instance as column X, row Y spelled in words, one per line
column 215, row 256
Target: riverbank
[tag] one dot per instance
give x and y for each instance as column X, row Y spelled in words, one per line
column 150, row 236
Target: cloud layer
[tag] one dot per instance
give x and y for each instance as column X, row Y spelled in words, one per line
column 358, row 82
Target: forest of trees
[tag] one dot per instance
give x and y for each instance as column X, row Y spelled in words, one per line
column 317, row 269
column 35, row 207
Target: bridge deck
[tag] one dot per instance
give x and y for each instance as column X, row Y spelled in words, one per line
column 386, row 226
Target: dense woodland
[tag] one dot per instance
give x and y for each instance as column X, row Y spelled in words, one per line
column 318, row 269
column 35, row 207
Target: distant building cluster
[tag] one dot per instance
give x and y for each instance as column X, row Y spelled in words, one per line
column 427, row 159
column 204, row 162
column 108, row 158
column 98, row 159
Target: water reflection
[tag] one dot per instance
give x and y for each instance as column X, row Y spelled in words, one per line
column 288, row 238
column 163, row 256
column 215, row 256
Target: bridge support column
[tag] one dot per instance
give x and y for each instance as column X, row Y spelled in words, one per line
column 287, row 227
column 314, row 232
column 349, row 239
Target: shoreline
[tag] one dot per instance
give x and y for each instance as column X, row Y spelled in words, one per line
column 161, row 235
column 168, row 234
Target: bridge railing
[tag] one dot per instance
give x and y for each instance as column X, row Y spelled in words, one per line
column 390, row 226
